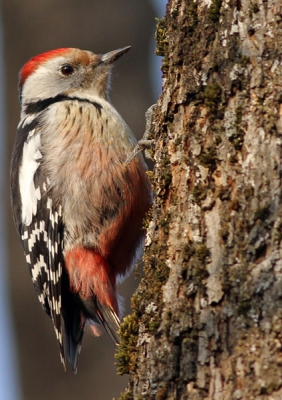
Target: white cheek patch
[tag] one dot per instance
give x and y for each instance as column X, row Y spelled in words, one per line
column 30, row 162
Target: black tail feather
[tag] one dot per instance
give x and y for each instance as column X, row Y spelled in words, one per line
column 104, row 315
column 76, row 311
column 110, row 321
column 74, row 330
column 73, row 324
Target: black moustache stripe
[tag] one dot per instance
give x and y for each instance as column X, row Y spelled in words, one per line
column 41, row 105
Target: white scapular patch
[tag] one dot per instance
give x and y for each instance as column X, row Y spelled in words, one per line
column 30, row 162
column 26, row 121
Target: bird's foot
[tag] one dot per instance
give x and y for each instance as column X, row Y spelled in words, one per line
column 145, row 143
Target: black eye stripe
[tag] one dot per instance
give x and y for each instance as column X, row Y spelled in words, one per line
column 67, row 70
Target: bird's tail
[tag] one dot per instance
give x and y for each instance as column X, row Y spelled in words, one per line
column 110, row 321
column 73, row 332
column 81, row 311
column 102, row 314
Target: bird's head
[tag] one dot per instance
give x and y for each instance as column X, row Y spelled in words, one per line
column 67, row 71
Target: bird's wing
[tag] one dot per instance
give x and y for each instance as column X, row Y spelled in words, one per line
column 42, row 240
column 39, row 223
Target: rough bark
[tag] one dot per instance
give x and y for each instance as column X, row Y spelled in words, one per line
column 207, row 317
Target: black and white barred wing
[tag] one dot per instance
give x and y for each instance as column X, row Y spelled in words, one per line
column 43, row 247
column 39, row 223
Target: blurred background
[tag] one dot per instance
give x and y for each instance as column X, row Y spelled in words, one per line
column 30, row 368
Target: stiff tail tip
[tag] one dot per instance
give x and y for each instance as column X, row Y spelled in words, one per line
column 110, row 321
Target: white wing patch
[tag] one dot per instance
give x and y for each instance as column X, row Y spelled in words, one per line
column 30, row 162
column 28, row 119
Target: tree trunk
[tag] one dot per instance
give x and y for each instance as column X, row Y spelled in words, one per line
column 207, row 317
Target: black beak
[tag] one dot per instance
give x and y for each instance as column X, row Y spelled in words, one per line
column 114, row 55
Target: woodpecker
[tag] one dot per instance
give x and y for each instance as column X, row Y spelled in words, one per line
column 77, row 204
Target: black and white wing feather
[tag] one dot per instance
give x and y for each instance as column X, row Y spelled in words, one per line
column 39, row 223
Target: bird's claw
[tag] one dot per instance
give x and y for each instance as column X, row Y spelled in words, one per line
column 145, row 143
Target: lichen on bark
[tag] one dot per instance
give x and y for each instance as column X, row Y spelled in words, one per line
column 207, row 314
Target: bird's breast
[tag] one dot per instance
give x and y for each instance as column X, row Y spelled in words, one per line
column 84, row 158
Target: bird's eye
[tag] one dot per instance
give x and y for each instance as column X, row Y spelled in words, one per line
column 67, row 70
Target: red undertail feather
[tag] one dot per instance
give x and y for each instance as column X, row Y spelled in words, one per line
column 91, row 276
